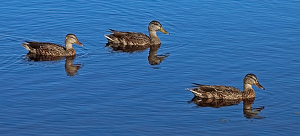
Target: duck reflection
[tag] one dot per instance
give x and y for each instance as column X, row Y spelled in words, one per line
column 153, row 58
column 128, row 48
column 70, row 68
column 248, row 111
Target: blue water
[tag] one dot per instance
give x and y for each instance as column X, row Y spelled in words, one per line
column 119, row 93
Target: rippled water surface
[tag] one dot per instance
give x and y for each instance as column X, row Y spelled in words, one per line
column 120, row 93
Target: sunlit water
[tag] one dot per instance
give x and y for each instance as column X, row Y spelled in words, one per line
column 119, row 93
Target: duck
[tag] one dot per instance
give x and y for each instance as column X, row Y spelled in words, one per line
column 51, row 49
column 136, row 39
column 227, row 92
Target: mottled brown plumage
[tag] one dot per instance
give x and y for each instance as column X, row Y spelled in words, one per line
column 51, row 49
column 228, row 92
column 133, row 39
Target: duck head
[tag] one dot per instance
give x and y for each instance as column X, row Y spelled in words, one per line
column 156, row 26
column 71, row 39
column 251, row 79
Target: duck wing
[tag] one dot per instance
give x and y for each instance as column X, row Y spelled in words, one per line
column 128, row 38
column 216, row 92
column 43, row 48
column 218, row 88
column 44, row 45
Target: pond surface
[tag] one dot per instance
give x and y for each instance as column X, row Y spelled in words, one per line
column 107, row 92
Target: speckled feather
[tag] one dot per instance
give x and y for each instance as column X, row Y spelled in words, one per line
column 217, row 92
column 49, row 49
column 129, row 38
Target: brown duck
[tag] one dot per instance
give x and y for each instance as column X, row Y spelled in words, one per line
column 136, row 39
column 228, row 92
column 51, row 49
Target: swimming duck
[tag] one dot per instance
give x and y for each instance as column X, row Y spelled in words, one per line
column 136, row 39
column 51, row 49
column 227, row 92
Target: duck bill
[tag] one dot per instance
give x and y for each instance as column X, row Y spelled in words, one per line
column 259, row 86
column 79, row 43
column 163, row 30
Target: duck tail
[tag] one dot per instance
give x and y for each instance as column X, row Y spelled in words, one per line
column 27, row 47
column 195, row 93
column 108, row 38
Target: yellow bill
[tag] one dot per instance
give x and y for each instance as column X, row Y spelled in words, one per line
column 163, row 30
